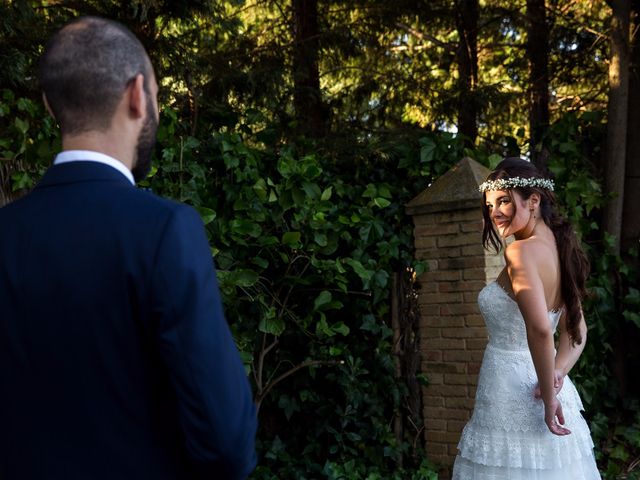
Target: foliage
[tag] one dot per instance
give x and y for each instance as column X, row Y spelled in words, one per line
column 612, row 309
column 305, row 250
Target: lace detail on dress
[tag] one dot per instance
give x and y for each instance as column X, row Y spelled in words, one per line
column 507, row 429
column 504, row 321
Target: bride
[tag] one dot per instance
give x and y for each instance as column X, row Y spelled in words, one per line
column 526, row 423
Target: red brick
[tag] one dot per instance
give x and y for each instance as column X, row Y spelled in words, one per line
column 431, row 309
column 443, row 321
column 459, row 309
column 446, row 343
column 435, row 231
column 458, row 216
column 433, row 401
column 462, row 355
column 427, row 287
column 448, row 390
column 452, row 449
column 422, row 243
column 435, row 448
column 457, row 425
column 436, row 424
column 460, row 403
column 440, row 298
column 435, row 378
column 438, row 252
column 434, row 413
column 459, row 240
column 473, row 343
column 465, row 332
column 442, row 437
column 474, row 321
column 470, row 297
column 442, row 367
column 461, row 263
column 475, row 274
column 473, row 368
column 424, row 220
column 472, row 226
column 430, row 331
column 432, row 355
column 457, row 379
column 441, row 275
column 461, row 286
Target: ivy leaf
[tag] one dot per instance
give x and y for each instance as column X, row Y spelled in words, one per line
column 271, row 323
column 208, row 215
column 323, row 299
column 340, row 328
column 370, row 191
column 362, row 272
column 320, row 239
column 311, row 189
column 381, row 202
column 322, row 327
column 291, row 239
column 238, row 278
column 427, row 150
column 21, row 125
column 326, row 194
column 246, row 227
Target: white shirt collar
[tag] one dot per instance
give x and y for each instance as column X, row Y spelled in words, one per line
column 90, row 156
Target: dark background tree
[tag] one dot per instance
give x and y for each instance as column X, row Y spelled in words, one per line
column 467, row 57
column 538, row 53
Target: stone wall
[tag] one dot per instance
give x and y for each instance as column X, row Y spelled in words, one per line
column 448, row 231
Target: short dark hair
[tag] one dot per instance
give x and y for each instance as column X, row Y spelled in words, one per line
column 84, row 70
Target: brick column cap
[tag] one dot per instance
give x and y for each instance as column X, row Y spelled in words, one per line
column 457, row 189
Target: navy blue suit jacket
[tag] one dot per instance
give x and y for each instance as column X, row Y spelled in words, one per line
column 115, row 358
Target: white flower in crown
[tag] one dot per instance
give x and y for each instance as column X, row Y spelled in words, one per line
column 513, row 182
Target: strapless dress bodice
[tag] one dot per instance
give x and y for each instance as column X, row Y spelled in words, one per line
column 503, row 319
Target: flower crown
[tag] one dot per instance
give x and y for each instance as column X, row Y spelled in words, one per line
column 513, row 182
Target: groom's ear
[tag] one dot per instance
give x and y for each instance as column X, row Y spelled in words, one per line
column 136, row 97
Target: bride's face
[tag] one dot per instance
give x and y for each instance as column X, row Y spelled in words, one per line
column 509, row 213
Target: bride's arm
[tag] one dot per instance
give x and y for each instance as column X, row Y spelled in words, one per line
column 568, row 353
column 529, row 292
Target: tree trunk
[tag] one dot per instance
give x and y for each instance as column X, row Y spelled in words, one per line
column 467, row 55
column 630, row 233
column 537, row 51
column 311, row 113
column 617, row 118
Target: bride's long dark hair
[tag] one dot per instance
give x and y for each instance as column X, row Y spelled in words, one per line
column 574, row 265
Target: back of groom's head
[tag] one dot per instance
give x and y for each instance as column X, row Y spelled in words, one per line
column 85, row 69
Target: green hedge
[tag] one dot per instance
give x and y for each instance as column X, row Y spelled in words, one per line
column 306, row 238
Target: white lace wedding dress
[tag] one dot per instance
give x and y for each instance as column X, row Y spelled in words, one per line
column 506, row 437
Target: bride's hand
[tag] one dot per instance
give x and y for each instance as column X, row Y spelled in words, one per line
column 554, row 418
column 558, row 381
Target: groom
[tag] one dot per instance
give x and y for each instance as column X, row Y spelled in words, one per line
column 115, row 358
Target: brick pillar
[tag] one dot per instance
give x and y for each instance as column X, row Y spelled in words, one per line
column 448, row 237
